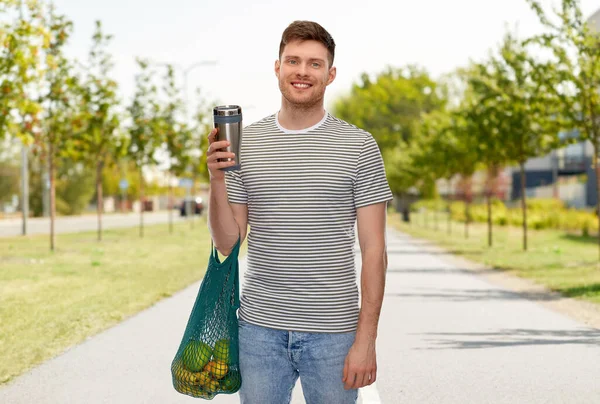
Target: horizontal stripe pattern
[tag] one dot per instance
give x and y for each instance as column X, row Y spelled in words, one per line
column 302, row 190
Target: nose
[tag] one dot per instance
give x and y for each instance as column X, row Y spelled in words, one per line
column 302, row 70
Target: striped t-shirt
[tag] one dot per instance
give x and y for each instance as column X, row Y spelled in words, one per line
column 302, row 189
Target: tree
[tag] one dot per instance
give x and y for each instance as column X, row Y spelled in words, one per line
column 485, row 120
column 438, row 151
column 22, row 40
column 529, row 116
column 145, row 132
column 75, row 185
column 9, row 184
column 201, row 127
column 60, row 102
column 391, row 105
column 465, row 154
column 572, row 73
column 101, row 138
column 177, row 135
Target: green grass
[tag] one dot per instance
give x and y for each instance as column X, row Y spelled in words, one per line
column 564, row 263
column 52, row 301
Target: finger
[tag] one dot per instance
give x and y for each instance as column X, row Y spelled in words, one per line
column 222, row 144
column 345, row 372
column 365, row 379
column 358, row 379
column 373, row 377
column 220, row 164
column 220, row 155
column 351, row 380
column 213, row 134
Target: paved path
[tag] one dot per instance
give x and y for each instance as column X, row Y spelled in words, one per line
column 446, row 336
column 72, row 224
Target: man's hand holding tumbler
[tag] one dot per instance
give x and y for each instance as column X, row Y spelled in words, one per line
column 223, row 155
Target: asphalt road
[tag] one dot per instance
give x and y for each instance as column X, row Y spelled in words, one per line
column 446, row 336
column 74, row 224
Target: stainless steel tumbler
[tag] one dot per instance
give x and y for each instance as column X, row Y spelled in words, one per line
column 228, row 119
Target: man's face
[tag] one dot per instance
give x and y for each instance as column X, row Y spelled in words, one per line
column 304, row 73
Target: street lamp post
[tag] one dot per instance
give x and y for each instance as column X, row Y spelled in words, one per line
column 186, row 73
column 24, row 187
column 24, row 182
column 189, row 213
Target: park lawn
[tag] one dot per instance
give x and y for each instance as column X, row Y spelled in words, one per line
column 52, row 301
column 564, row 263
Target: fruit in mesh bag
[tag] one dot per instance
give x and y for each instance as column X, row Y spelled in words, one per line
column 231, row 381
column 208, row 383
column 212, row 386
column 221, row 351
column 196, row 355
column 217, row 368
column 195, row 391
column 186, row 376
column 203, row 394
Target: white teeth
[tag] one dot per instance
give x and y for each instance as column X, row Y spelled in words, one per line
column 301, row 85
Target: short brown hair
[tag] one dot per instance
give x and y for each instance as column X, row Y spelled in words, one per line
column 305, row 31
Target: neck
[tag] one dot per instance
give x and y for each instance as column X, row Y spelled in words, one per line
column 294, row 117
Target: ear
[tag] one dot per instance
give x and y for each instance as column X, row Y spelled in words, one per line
column 277, row 67
column 332, row 73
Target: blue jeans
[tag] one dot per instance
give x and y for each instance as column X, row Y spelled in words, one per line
column 272, row 360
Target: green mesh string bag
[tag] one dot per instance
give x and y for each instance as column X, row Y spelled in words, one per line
column 207, row 361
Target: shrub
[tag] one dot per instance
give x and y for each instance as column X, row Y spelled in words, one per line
column 541, row 214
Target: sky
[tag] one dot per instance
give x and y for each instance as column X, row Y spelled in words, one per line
column 243, row 37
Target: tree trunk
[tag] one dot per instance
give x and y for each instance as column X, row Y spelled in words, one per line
column 467, row 185
column 193, row 209
column 171, row 206
column 52, row 196
column 489, row 218
column 467, row 218
column 141, row 203
column 524, row 205
column 597, row 167
column 489, row 194
column 449, row 211
column 99, row 198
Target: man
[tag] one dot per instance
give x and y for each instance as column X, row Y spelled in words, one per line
column 306, row 178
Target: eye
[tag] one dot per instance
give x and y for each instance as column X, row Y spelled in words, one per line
column 316, row 65
column 292, row 61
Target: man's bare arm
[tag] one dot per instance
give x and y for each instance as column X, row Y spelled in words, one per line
column 371, row 222
column 226, row 221
column 360, row 368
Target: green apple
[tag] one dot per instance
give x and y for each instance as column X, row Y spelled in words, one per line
column 196, row 355
column 221, row 351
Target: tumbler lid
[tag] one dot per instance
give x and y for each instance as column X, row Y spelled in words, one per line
column 227, row 110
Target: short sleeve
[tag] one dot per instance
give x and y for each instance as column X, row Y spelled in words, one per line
column 371, row 185
column 236, row 191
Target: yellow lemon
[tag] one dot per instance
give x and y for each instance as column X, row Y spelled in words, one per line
column 212, row 386
column 204, row 378
column 217, row 368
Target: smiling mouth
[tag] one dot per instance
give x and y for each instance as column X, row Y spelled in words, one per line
column 301, row 86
